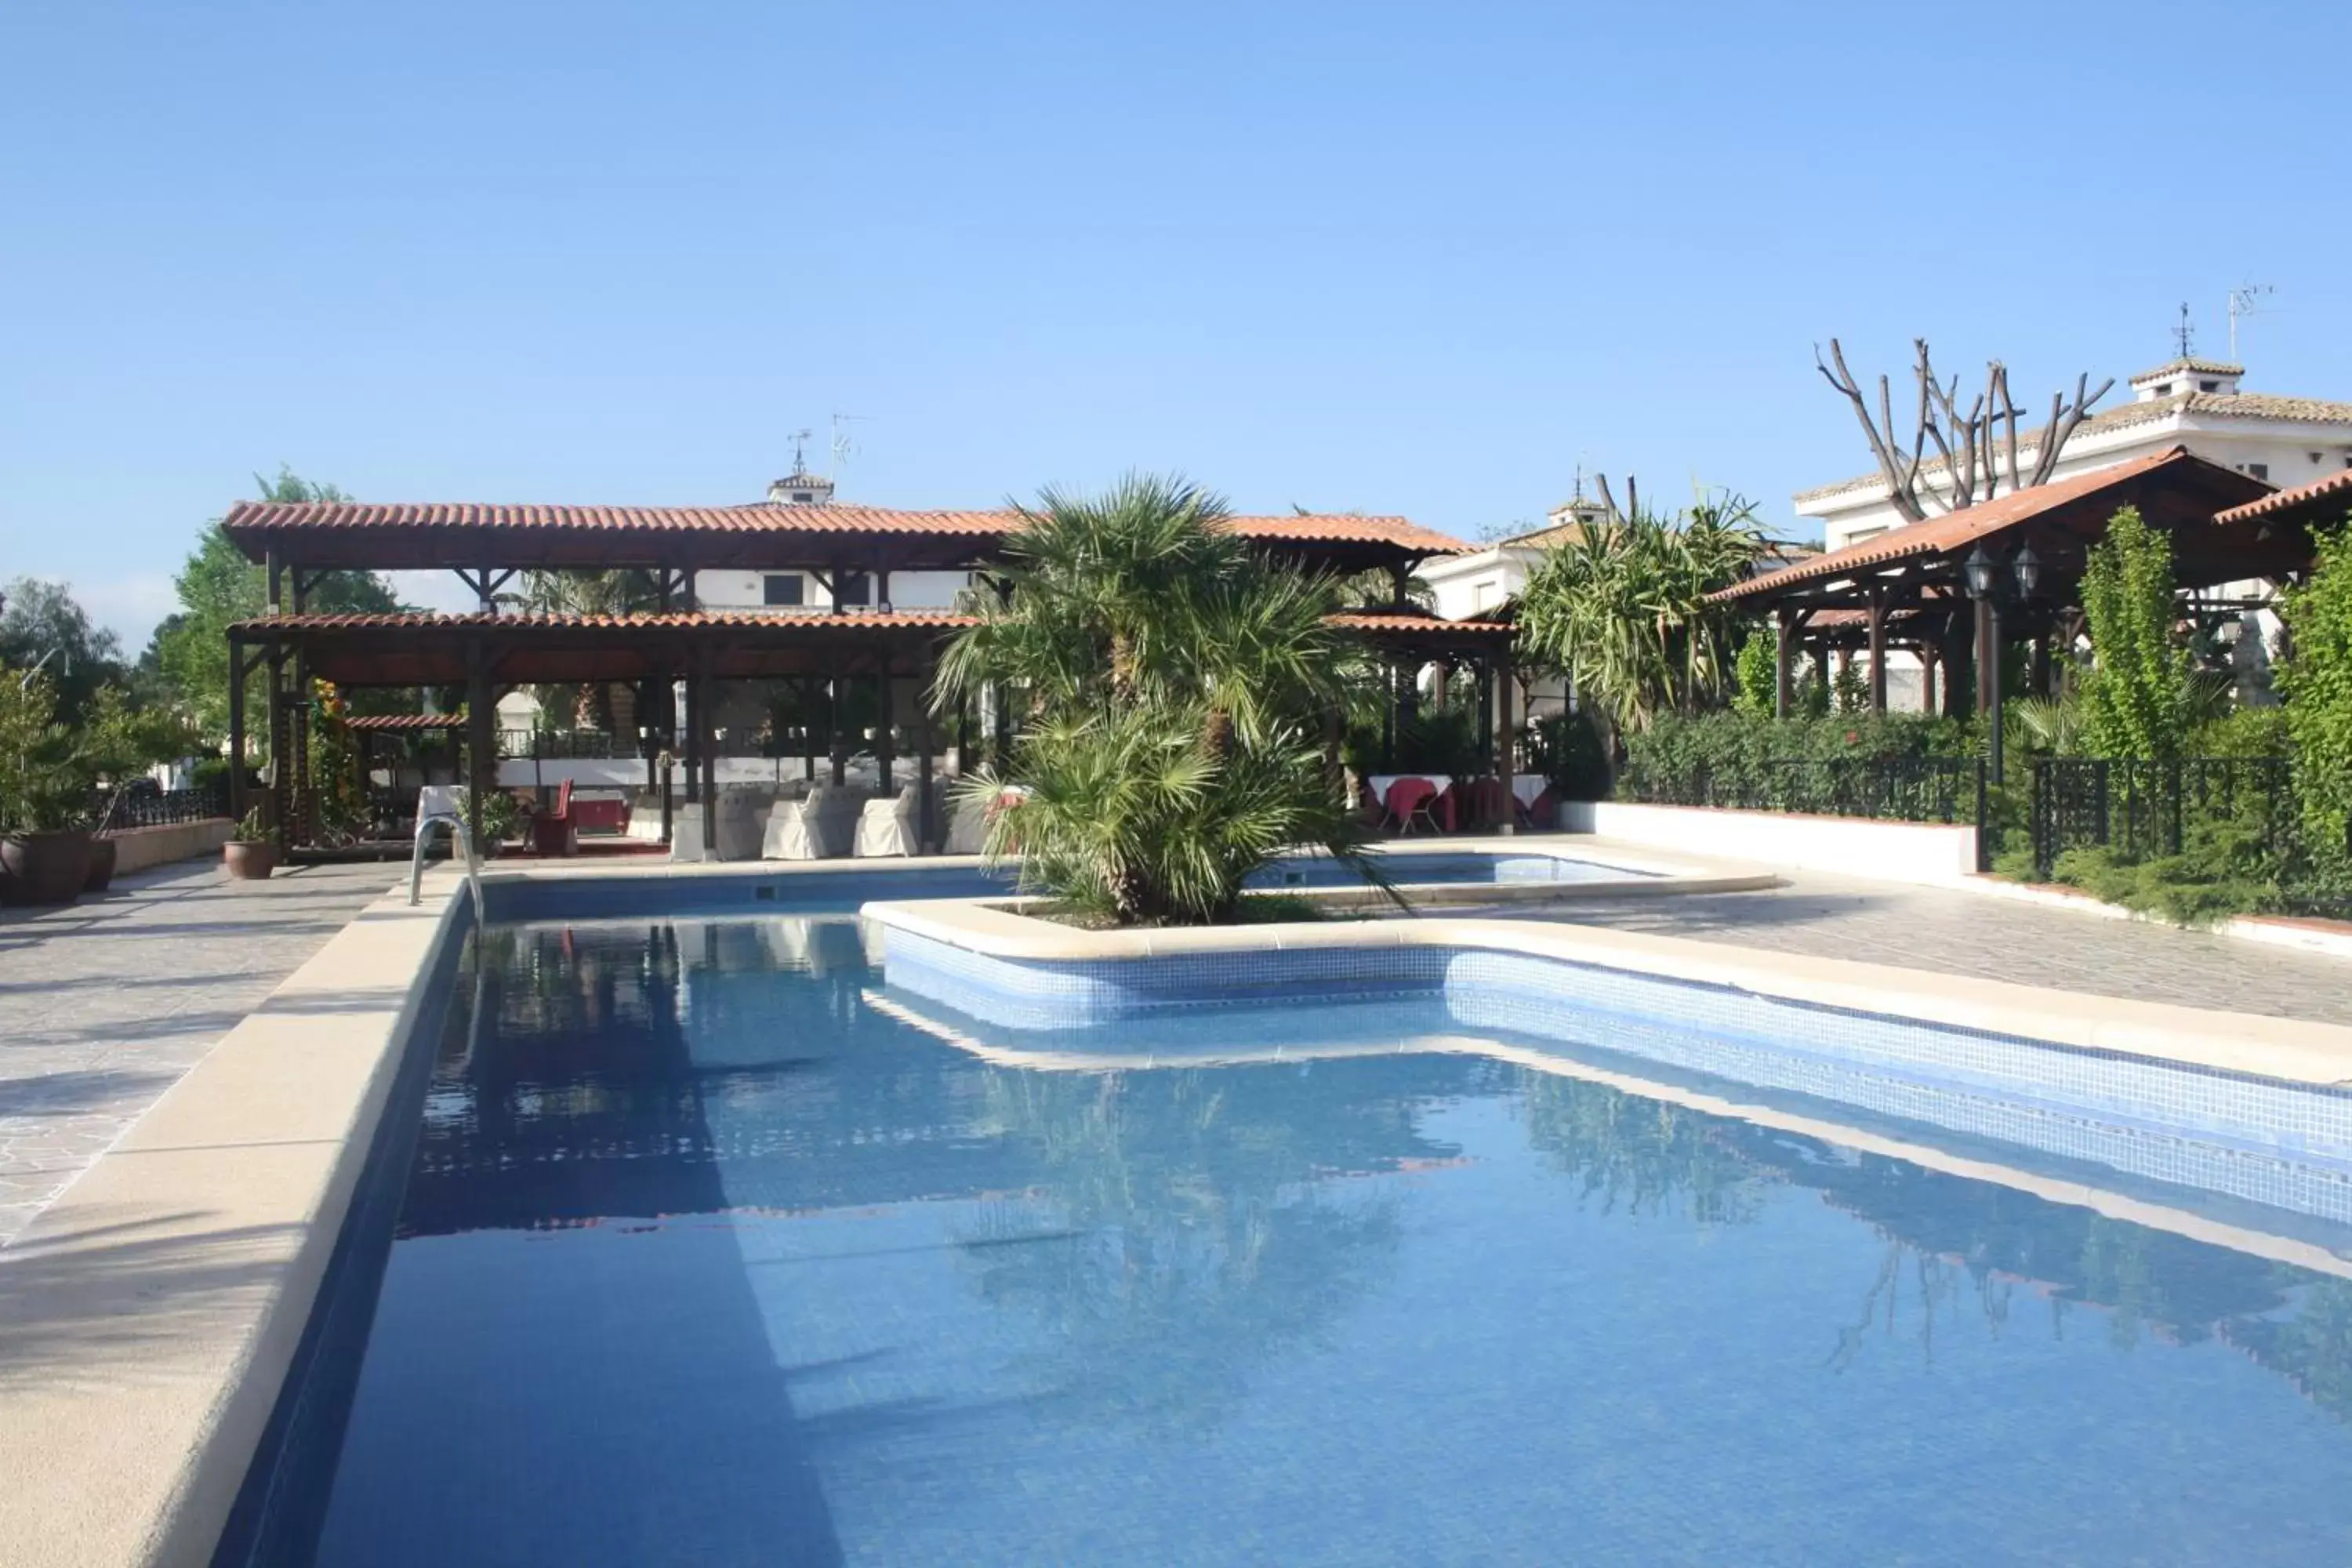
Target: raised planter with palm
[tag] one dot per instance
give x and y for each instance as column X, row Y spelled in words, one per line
column 1175, row 688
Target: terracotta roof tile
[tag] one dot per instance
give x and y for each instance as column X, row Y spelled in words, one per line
column 1372, row 621
column 676, row 620
column 1945, row 534
column 2314, row 496
column 771, row 517
column 404, row 722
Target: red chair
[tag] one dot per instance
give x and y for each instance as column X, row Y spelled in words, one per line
column 1485, row 802
column 1538, row 813
column 553, row 832
column 1410, row 801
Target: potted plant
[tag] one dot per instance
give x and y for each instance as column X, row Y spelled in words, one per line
column 44, row 836
column 251, row 854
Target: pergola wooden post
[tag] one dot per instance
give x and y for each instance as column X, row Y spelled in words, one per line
column 886, row 749
column 481, row 737
column 706, row 747
column 1505, row 684
column 237, row 676
column 1878, row 647
column 923, row 823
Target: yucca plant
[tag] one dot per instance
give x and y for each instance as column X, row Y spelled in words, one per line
column 1176, row 684
column 1621, row 608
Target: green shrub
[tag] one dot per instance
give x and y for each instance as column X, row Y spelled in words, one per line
column 2134, row 696
column 1756, row 674
column 1735, row 753
column 1566, row 750
column 2317, row 681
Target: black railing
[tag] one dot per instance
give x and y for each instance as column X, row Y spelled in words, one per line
column 1904, row 789
column 565, row 744
column 2144, row 809
column 137, row 806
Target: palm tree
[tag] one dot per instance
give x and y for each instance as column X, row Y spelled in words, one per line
column 1177, row 685
column 621, row 591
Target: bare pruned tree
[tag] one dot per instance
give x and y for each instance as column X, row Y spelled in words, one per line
column 1975, row 450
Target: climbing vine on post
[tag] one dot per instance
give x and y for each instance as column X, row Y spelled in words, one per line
column 2132, row 696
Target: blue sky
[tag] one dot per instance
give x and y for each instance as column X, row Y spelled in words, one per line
column 1415, row 258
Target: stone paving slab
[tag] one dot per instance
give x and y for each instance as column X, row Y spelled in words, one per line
column 106, row 1003
column 1952, row 932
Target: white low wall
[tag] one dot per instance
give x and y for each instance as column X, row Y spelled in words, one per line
column 1889, row 851
column 136, row 848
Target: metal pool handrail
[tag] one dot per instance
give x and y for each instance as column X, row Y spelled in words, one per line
column 425, row 822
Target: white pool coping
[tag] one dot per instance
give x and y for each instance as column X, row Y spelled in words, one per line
column 2291, row 1049
column 153, row 1310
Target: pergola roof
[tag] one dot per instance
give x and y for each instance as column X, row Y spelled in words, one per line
column 421, row 649
column 404, row 724
column 2317, row 504
column 2175, row 490
column 400, row 536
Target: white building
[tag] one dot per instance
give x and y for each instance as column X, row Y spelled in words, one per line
column 786, row 592
column 1467, row 586
column 2192, row 402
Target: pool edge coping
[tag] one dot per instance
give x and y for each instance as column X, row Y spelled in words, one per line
column 2293, row 1051
column 128, row 1440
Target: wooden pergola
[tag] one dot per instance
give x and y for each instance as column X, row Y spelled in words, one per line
column 489, row 651
column 1909, row 588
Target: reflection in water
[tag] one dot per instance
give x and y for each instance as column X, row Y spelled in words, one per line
column 705, row 1259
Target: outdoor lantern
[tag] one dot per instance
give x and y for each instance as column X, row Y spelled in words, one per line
column 2028, row 567
column 1979, row 567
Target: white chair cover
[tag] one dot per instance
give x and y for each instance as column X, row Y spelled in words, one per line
column 802, row 830
column 968, row 829
column 889, row 826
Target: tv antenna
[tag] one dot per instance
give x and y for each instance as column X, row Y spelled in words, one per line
column 2184, row 336
column 844, row 445
column 2245, row 301
column 801, row 438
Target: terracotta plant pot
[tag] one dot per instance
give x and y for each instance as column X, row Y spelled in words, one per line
column 45, row 868
column 101, row 866
column 249, row 860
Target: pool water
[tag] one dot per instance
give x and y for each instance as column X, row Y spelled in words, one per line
column 711, row 1253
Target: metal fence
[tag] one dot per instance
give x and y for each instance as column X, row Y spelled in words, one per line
column 2143, row 809
column 565, row 744
column 136, row 806
column 1904, row 789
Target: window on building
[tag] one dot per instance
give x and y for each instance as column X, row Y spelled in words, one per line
column 854, row 588
column 2209, row 387
column 783, row 588
column 2259, row 471
column 2164, row 389
column 804, row 496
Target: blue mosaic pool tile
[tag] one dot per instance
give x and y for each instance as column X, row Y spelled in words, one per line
column 2286, row 1145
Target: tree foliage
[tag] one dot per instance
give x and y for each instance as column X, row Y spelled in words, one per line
column 217, row 587
column 1621, row 609
column 2317, row 682
column 1176, row 685
column 2135, row 694
column 42, row 626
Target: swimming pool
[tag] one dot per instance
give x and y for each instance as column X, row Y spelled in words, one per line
column 713, row 1248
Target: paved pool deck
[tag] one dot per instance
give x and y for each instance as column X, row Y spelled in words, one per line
column 1985, row 937
column 107, row 1003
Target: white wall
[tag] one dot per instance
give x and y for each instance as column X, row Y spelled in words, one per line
column 748, row 590
column 1924, row 852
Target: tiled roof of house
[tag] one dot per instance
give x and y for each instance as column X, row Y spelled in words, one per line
column 770, row 517
column 2216, row 404
column 2315, row 496
column 2190, row 366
